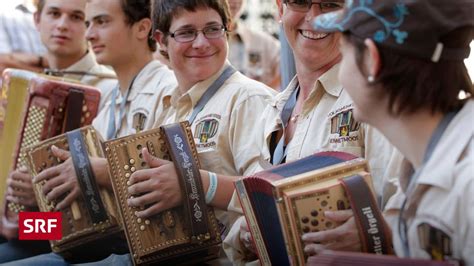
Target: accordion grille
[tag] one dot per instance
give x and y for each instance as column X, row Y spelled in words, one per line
column 31, row 136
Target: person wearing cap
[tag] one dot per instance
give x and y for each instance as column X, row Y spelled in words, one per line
column 313, row 114
column 403, row 67
column 254, row 53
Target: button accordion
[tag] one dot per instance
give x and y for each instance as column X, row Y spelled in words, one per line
column 36, row 107
column 186, row 234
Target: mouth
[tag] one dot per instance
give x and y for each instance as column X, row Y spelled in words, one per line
column 97, row 48
column 201, row 56
column 313, row 35
column 60, row 37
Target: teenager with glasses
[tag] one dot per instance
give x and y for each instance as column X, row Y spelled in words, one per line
column 406, row 78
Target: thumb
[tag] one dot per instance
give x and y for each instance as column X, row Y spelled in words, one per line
column 151, row 160
column 339, row 216
column 60, row 153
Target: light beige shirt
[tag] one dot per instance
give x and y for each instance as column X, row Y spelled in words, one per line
column 144, row 102
column 256, row 54
column 223, row 129
column 326, row 124
column 442, row 201
column 98, row 76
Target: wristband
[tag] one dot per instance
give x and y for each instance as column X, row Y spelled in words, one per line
column 211, row 190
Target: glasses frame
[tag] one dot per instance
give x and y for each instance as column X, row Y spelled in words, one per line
column 311, row 3
column 223, row 30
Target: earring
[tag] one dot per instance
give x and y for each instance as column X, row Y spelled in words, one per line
column 370, row 79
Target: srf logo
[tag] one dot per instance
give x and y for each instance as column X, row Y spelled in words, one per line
column 40, row 226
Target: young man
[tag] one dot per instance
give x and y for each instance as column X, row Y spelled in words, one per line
column 113, row 25
column 62, row 31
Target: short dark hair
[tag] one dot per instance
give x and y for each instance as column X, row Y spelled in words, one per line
column 413, row 84
column 40, row 6
column 164, row 11
column 136, row 10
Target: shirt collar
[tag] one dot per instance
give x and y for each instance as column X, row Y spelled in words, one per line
column 86, row 63
column 452, row 143
column 140, row 84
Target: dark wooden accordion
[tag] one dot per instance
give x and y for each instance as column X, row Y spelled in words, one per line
column 180, row 235
column 37, row 107
column 94, row 215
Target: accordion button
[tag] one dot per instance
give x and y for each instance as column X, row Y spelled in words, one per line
column 139, row 220
column 142, row 227
column 314, row 222
column 132, row 161
column 128, row 182
column 324, row 203
column 147, row 222
column 328, row 224
column 314, row 213
column 306, row 229
column 132, row 169
column 305, row 219
column 127, row 175
column 126, row 167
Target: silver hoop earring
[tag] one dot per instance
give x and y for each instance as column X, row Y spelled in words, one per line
column 370, row 79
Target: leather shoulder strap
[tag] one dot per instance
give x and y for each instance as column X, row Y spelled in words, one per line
column 373, row 231
column 85, row 177
column 181, row 152
column 74, row 109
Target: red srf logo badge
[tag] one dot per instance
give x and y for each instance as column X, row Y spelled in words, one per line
column 40, row 226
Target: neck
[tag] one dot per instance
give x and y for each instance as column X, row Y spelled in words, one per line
column 128, row 71
column 63, row 62
column 308, row 76
column 410, row 133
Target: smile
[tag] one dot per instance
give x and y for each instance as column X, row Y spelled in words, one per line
column 313, row 35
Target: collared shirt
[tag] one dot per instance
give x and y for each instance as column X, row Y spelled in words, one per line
column 326, row 124
column 255, row 54
column 100, row 76
column 143, row 107
column 440, row 212
column 18, row 32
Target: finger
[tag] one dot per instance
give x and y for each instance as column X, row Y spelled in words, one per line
column 152, row 210
column 18, row 184
column 51, row 184
column 142, row 175
column 321, row 236
column 20, row 193
column 47, row 174
column 151, row 160
column 60, row 153
column 313, row 249
column 21, row 176
column 59, row 191
column 23, row 169
column 145, row 199
column 339, row 216
column 13, row 199
column 140, row 188
column 68, row 200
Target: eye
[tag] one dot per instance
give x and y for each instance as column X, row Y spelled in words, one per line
column 299, row 2
column 54, row 13
column 77, row 18
column 332, row 5
column 213, row 29
column 186, row 32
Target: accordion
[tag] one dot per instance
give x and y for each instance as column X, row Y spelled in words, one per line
column 36, row 108
column 94, row 215
column 186, row 234
column 297, row 194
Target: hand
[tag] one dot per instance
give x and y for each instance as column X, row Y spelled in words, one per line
column 60, row 180
column 342, row 238
column 20, row 188
column 246, row 238
column 157, row 187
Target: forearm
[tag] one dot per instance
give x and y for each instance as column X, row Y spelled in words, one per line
column 224, row 191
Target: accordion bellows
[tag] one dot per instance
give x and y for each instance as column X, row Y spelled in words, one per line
column 77, row 225
column 166, row 237
column 37, row 107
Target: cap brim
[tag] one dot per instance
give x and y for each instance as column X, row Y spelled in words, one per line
column 330, row 22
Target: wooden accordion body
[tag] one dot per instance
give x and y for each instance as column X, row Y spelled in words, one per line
column 166, row 237
column 36, row 108
column 78, row 227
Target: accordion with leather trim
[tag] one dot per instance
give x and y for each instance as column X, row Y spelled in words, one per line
column 185, row 234
column 36, row 108
column 296, row 195
column 94, row 215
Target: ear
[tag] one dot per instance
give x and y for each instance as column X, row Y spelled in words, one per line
column 280, row 8
column 160, row 38
column 36, row 18
column 372, row 58
column 143, row 28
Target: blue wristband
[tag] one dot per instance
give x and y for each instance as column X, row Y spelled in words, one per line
column 211, row 190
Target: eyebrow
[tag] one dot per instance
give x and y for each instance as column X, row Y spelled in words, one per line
column 55, row 8
column 191, row 26
column 100, row 16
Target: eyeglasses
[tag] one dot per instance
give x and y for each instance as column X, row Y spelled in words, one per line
column 305, row 5
column 189, row 35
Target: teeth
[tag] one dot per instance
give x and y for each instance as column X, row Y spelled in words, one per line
column 313, row 35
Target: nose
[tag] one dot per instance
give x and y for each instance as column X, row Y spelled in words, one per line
column 200, row 41
column 63, row 22
column 313, row 12
column 90, row 33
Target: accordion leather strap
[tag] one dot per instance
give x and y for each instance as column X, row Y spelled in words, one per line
column 190, row 181
column 74, row 107
column 372, row 227
column 86, row 178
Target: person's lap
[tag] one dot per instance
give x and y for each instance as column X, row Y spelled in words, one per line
column 15, row 249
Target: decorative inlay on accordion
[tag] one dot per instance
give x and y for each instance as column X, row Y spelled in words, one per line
column 36, row 108
column 167, row 237
column 94, row 214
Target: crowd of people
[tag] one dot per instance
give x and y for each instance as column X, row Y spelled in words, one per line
column 394, row 68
